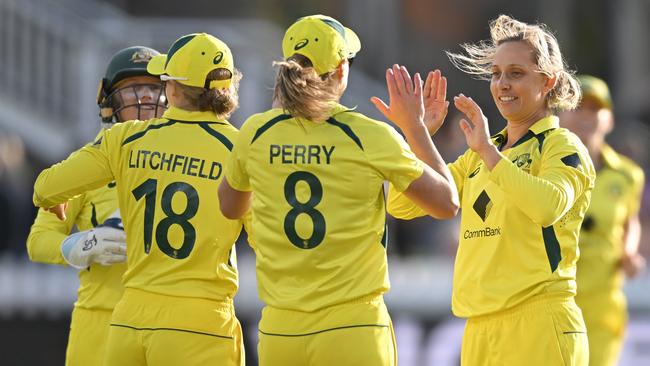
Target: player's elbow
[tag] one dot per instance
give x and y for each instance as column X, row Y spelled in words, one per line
column 447, row 210
column 233, row 203
column 438, row 199
column 229, row 211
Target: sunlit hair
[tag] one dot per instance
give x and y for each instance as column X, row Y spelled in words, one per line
column 301, row 92
column 478, row 57
column 222, row 102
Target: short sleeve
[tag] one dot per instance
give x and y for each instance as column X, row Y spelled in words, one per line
column 393, row 158
column 235, row 171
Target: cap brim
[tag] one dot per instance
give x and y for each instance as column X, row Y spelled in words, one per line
column 156, row 65
column 352, row 41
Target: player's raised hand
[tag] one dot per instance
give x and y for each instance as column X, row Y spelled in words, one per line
column 476, row 131
column 405, row 108
column 435, row 101
column 58, row 210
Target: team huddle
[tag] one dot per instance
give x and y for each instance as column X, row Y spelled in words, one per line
column 163, row 192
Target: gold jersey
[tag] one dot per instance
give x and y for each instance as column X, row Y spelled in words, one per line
column 519, row 222
column 167, row 171
column 318, row 209
column 100, row 287
column 615, row 198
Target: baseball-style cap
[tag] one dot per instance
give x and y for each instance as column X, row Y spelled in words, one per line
column 191, row 58
column 323, row 40
column 595, row 89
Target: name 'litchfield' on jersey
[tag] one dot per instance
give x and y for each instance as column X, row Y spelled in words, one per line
column 187, row 165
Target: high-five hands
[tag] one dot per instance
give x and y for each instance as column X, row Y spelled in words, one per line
column 435, row 101
column 406, row 107
column 476, row 131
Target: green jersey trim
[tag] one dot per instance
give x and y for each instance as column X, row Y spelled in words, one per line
column 269, row 124
column 323, row 331
column 137, row 135
column 223, row 139
column 347, row 130
column 172, row 329
column 552, row 246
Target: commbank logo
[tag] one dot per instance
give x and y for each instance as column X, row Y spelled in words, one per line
column 303, row 42
column 483, row 205
column 482, row 233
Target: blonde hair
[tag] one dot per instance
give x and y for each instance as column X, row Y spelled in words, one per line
column 220, row 102
column 478, row 57
column 302, row 92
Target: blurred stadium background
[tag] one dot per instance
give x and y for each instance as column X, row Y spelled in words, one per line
column 53, row 54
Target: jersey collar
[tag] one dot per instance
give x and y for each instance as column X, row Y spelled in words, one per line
column 181, row 115
column 539, row 127
column 340, row 108
column 610, row 157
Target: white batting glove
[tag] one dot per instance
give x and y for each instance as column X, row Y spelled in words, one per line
column 104, row 244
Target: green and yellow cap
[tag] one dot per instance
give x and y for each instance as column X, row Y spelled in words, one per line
column 595, row 89
column 191, row 58
column 323, row 40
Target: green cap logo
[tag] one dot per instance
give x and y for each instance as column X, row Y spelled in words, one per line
column 217, row 59
column 304, row 42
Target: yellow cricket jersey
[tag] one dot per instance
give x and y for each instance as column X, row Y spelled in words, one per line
column 519, row 222
column 100, row 287
column 615, row 198
column 167, row 171
column 318, row 210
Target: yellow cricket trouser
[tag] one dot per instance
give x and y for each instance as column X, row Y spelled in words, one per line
column 545, row 330
column 159, row 330
column 605, row 314
column 356, row 333
column 88, row 336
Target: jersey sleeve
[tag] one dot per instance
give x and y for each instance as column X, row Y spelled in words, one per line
column 235, row 170
column 566, row 172
column 85, row 169
column 635, row 197
column 48, row 232
column 401, row 207
column 392, row 157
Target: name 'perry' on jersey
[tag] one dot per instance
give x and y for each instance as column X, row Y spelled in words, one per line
column 168, row 171
column 318, row 206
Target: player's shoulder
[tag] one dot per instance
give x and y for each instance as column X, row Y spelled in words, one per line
column 562, row 137
column 258, row 120
column 623, row 165
column 367, row 128
column 129, row 130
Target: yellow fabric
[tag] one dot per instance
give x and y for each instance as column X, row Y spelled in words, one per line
column 547, row 330
column 355, row 333
column 323, row 40
column 605, row 315
column 519, row 222
column 191, row 58
column 325, row 247
column 615, row 198
column 167, row 171
column 152, row 329
column 88, row 337
column 100, row 287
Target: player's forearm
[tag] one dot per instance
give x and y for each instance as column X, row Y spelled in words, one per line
column 401, row 207
column 632, row 236
column 44, row 246
column 423, row 147
column 544, row 200
column 81, row 172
